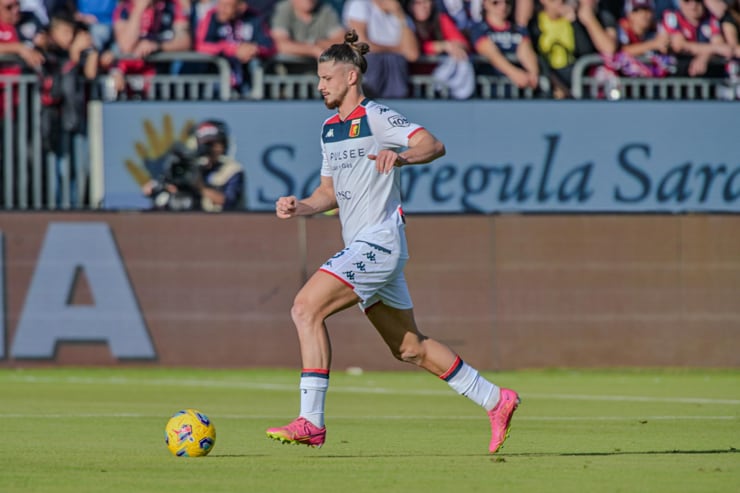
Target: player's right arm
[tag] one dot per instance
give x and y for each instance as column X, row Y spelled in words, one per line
column 321, row 200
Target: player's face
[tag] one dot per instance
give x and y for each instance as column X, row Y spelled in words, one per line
column 333, row 83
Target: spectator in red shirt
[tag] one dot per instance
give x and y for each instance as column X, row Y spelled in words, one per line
column 695, row 38
column 232, row 30
column 439, row 37
column 19, row 42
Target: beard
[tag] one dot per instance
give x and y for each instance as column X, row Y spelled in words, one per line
column 334, row 103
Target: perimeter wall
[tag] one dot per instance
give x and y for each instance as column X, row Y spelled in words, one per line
column 506, row 291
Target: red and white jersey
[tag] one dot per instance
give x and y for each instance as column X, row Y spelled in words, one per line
column 675, row 23
column 365, row 196
column 9, row 34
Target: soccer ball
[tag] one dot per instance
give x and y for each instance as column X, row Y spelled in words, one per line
column 189, row 433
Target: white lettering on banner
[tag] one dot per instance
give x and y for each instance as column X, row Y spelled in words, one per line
column 47, row 318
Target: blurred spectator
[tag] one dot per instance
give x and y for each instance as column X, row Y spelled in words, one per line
column 97, row 15
column 637, row 32
column 305, row 27
column 506, row 46
column 563, row 31
column 439, row 37
column 142, row 28
column 643, row 48
column 196, row 10
column 21, row 34
column 384, row 26
column 69, row 54
column 720, row 9
column 696, row 37
column 38, row 8
column 233, row 30
column 70, row 58
column 198, row 175
column 465, row 13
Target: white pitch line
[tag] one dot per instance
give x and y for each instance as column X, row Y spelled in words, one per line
column 351, row 389
column 377, row 417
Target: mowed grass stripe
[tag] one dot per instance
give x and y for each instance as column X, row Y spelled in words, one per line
column 277, row 387
column 372, row 417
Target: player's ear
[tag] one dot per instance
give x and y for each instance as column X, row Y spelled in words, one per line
column 353, row 76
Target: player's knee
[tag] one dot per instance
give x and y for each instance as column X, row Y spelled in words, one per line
column 302, row 313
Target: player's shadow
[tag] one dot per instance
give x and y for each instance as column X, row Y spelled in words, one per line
column 730, row 450
column 503, row 455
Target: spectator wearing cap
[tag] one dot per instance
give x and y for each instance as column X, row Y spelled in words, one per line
column 637, row 32
column 695, row 37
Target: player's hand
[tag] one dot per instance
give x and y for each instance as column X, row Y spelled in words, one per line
column 386, row 160
column 285, row 207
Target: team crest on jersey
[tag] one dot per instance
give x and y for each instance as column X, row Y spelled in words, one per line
column 354, row 129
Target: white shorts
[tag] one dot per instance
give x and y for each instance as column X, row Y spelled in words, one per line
column 372, row 265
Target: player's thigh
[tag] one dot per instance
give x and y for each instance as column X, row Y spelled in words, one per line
column 396, row 326
column 323, row 294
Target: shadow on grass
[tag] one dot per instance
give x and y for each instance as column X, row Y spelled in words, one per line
column 537, row 454
column 730, row 450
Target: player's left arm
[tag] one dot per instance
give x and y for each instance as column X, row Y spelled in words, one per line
column 423, row 148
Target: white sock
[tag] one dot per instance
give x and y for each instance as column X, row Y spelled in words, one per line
column 466, row 380
column 314, row 384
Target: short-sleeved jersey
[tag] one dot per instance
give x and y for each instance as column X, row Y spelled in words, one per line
column 324, row 22
column 383, row 28
column 365, row 196
column 675, row 23
column 506, row 38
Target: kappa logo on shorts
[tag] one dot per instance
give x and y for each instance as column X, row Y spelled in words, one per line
column 370, row 256
column 349, row 275
column 360, row 266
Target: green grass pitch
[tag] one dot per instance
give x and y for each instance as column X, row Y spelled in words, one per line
column 102, row 430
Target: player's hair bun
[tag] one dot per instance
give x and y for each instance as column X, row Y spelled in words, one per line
column 351, row 51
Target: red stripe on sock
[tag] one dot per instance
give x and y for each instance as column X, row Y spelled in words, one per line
column 323, row 371
column 455, row 366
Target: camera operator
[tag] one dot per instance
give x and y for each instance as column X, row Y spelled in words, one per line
column 199, row 175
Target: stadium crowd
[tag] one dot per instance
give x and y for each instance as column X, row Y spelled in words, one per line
column 533, row 43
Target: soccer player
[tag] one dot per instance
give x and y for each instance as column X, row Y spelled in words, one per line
column 364, row 144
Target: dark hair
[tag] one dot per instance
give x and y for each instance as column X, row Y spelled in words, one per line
column 428, row 30
column 348, row 52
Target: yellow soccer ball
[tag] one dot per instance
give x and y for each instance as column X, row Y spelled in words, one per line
column 189, row 433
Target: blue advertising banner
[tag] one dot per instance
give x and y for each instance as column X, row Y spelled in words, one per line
column 514, row 156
